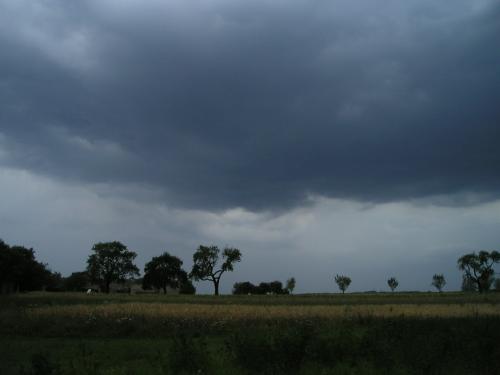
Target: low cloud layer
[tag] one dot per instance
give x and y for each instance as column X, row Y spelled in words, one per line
column 260, row 105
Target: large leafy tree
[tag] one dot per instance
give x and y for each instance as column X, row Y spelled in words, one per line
column 478, row 268
column 205, row 261
column 20, row 269
column 164, row 271
column 111, row 262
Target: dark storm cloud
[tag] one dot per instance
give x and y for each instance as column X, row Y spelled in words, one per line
column 255, row 104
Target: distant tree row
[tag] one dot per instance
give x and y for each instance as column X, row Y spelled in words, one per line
column 112, row 262
column 343, row 282
column 479, row 274
column 273, row 287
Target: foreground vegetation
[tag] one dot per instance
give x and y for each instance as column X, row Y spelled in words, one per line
column 61, row 333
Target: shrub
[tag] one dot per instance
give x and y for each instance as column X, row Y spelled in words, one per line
column 246, row 287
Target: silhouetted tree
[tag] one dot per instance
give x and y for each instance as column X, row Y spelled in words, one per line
column 438, row 281
column 245, row 287
column 290, row 285
column 263, row 288
column 277, row 287
column 164, row 271
column 205, row 261
column 20, row 269
column 478, row 268
column 343, row 282
column 393, row 283
column 111, row 262
column 273, row 287
column 468, row 285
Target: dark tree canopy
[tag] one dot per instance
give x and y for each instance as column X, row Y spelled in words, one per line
column 111, row 262
column 478, row 268
column 164, row 271
column 246, row 287
column 273, row 287
column 20, row 271
column 393, row 283
column 468, row 285
column 343, row 282
column 205, row 261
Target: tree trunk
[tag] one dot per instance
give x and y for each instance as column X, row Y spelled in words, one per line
column 480, row 286
column 216, row 287
column 164, row 289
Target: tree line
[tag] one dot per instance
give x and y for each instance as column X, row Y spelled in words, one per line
column 21, row 272
column 113, row 262
column 273, row 287
column 343, row 282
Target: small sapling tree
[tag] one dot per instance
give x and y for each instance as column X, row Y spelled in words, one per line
column 343, row 282
column 290, row 285
column 393, row 283
column 438, row 281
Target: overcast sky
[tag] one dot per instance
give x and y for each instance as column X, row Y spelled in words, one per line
column 319, row 137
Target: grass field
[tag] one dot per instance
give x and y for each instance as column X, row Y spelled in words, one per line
column 380, row 333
